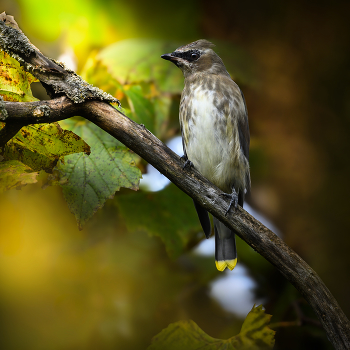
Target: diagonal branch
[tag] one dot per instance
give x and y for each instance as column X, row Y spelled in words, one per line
column 144, row 143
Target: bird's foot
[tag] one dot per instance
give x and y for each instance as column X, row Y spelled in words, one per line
column 234, row 200
column 188, row 163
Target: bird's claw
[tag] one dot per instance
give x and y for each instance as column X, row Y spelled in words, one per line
column 188, row 163
column 233, row 202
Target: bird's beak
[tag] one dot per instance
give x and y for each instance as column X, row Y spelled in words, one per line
column 169, row 57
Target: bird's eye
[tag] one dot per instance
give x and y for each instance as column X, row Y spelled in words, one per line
column 190, row 56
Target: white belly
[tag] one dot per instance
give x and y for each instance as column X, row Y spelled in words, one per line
column 213, row 143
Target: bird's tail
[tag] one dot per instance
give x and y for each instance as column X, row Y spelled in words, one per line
column 225, row 246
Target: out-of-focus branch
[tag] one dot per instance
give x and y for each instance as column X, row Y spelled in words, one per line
column 190, row 181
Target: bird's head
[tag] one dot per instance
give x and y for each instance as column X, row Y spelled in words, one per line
column 197, row 57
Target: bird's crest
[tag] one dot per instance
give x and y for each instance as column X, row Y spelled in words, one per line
column 199, row 44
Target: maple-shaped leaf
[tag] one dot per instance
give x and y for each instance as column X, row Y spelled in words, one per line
column 89, row 180
column 254, row 335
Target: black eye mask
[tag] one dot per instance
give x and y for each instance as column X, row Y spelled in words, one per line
column 190, row 56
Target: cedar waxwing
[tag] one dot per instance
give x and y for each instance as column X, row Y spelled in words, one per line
column 215, row 135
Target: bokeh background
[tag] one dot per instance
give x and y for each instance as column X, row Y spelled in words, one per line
column 112, row 285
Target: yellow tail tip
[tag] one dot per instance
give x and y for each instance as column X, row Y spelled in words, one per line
column 222, row 264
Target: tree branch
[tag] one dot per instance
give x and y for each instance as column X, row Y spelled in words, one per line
column 144, row 143
column 47, row 111
column 19, row 114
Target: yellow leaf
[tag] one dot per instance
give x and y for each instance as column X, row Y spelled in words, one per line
column 14, row 81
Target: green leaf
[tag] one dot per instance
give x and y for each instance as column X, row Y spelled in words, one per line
column 255, row 335
column 14, row 81
column 14, row 174
column 134, row 61
column 162, row 107
column 41, row 145
column 168, row 214
column 142, row 109
column 91, row 180
column 96, row 73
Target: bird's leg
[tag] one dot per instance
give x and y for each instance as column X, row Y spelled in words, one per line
column 234, row 199
column 188, row 163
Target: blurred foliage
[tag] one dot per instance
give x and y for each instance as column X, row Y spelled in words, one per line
column 132, row 71
column 104, row 287
column 254, row 335
column 136, row 61
column 167, row 214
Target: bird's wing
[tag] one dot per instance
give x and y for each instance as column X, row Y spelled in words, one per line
column 243, row 129
column 184, row 127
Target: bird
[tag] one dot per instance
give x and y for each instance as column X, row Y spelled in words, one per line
column 215, row 135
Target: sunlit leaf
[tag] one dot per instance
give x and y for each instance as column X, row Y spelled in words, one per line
column 14, row 174
column 41, row 145
column 91, row 180
column 38, row 146
column 255, row 335
column 168, row 214
column 14, row 81
column 51, row 141
column 96, row 73
column 141, row 98
column 135, row 103
column 148, row 86
column 138, row 60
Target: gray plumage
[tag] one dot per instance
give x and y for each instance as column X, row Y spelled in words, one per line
column 215, row 132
